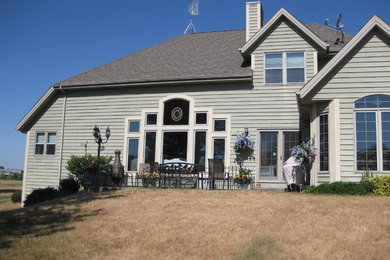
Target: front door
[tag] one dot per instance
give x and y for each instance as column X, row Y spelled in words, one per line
column 275, row 147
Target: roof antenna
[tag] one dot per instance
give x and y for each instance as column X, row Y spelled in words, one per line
column 193, row 9
column 338, row 26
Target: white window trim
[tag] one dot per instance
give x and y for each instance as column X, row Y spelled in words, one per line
column 191, row 128
column 45, row 143
column 284, row 68
column 319, row 143
column 378, row 118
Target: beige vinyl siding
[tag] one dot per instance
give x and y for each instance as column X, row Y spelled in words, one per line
column 366, row 71
column 253, row 18
column 284, row 37
column 42, row 170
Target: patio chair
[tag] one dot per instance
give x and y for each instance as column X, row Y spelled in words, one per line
column 217, row 172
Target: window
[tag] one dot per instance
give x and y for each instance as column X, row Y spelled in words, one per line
column 372, row 126
column 134, row 126
column 45, row 143
column 324, row 146
column 219, row 148
column 201, row 118
column 285, row 68
column 200, row 149
column 176, row 112
column 132, row 154
column 150, row 147
column 151, row 119
column 219, row 125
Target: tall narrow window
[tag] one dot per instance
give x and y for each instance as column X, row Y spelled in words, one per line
column 366, row 147
column 150, row 147
column 200, row 149
column 324, row 147
column 386, row 140
column 40, row 143
column 219, row 148
column 132, row 154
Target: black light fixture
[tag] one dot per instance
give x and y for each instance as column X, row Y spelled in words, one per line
column 246, row 131
column 99, row 141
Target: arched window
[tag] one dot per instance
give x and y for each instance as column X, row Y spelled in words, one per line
column 372, row 126
column 176, row 112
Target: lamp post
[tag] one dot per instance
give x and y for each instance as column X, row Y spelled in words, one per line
column 246, row 131
column 99, row 141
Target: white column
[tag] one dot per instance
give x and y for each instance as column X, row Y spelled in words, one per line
column 313, row 136
column 334, row 140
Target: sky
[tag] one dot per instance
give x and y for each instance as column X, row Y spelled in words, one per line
column 45, row 41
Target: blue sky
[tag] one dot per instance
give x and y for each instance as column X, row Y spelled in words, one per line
column 45, row 41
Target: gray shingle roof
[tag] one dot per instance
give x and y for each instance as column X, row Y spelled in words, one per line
column 206, row 55
column 329, row 36
column 197, row 56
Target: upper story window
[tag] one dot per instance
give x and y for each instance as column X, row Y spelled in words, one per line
column 45, row 143
column 134, row 126
column 151, row 119
column 285, row 67
column 219, row 125
column 176, row 112
column 372, row 126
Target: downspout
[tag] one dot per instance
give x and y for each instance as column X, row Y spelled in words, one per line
column 62, row 133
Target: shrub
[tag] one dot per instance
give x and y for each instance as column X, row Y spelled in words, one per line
column 381, row 185
column 69, row 185
column 16, row 196
column 78, row 165
column 347, row 188
column 40, row 195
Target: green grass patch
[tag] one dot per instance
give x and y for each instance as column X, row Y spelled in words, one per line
column 346, row 188
column 5, row 197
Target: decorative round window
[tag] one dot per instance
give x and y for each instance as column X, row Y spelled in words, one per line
column 177, row 114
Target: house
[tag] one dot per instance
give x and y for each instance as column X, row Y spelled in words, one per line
column 189, row 97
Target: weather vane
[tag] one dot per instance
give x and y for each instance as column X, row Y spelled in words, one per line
column 193, row 9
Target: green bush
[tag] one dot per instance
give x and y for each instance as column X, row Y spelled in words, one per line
column 347, row 188
column 381, row 185
column 69, row 185
column 78, row 165
column 40, row 195
column 16, row 196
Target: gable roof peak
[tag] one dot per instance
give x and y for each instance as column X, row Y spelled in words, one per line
column 374, row 22
column 279, row 14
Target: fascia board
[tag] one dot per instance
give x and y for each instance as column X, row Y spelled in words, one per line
column 21, row 125
column 374, row 21
column 274, row 19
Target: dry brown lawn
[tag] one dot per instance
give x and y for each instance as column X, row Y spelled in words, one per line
column 192, row 224
column 7, row 187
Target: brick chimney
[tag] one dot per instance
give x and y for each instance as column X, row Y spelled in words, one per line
column 254, row 18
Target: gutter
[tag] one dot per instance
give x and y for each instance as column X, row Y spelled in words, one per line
column 62, row 133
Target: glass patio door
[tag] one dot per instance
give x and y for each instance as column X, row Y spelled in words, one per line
column 275, row 147
column 269, row 154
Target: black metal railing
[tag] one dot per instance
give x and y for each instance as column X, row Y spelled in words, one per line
column 199, row 180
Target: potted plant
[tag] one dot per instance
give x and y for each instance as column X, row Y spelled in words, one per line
column 150, row 178
column 304, row 154
column 243, row 179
